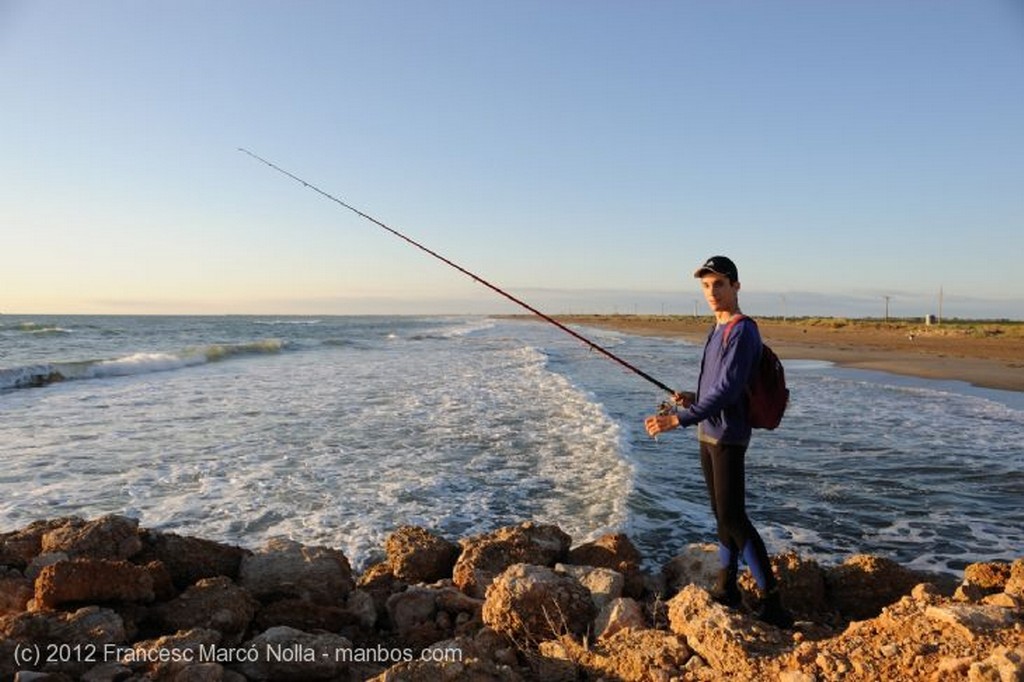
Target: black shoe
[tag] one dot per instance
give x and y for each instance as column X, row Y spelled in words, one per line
column 773, row 612
column 726, row 592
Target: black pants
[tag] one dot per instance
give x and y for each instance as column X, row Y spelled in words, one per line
column 724, row 473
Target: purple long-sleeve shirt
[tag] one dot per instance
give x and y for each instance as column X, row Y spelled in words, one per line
column 720, row 407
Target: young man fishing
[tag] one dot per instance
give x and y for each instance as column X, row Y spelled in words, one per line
column 719, row 409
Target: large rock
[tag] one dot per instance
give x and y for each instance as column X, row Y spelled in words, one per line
column 423, row 614
column 725, row 638
column 286, row 569
column 380, row 583
column 169, row 657
column 973, row 620
column 697, row 564
column 628, row 656
column 213, row 604
column 983, row 579
column 303, row 615
column 604, row 584
column 614, row 550
column 485, row 556
column 189, row 559
column 287, row 654
column 360, row 604
column 88, row 624
column 15, row 591
column 533, row 603
column 91, row 581
column 416, row 555
column 801, row 584
column 20, row 547
column 413, row 615
column 1003, row 663
column 1015, row 583
column 90, row 628
column 619, row 614
column 108, row 537
column 863, row 585
column 617, row 552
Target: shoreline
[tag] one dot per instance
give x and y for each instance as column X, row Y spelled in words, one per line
column 985, row 356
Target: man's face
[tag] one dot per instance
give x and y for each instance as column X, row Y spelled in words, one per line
column 719, row 292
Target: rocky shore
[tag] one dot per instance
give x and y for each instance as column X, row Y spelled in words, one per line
column 105, row 600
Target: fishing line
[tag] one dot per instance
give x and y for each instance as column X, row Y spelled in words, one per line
column 593, row 346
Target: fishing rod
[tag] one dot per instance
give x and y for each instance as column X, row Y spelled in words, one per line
column 593, row 346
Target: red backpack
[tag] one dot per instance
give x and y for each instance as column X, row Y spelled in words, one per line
column 767, row 395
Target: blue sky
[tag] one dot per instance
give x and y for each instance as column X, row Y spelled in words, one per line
column 587, row 156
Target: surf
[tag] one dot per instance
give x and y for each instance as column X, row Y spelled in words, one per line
column 133, row 364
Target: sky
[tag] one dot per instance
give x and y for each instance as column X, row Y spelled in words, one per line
column 584, row 156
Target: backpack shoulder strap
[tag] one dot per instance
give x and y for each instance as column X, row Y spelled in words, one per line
column 732, row 323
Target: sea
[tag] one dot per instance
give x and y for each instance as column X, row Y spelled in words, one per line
column 336, row 430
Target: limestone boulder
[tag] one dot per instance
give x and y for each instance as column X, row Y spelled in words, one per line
column 981, row 580
column 863, row 585
column 1015, row 583
column 533, row 603
column 619, row 614
column 630, row 655
column 92, row 581
column 301, row 614
column 801, row 584
column 604, row 584
column 416, row 555
column 87, row 627
column 211, row 604
column 190, row 559
column 725, row 638
column 485, row 556
column 170, row 656
column 424, row 614
column 413, row 615
column 287, row 569
column 614, row 550
column 18, row 548
column 697, row 564
column 286, row 655
column 380, row 583
column 15, row 591
column 108, row 537
column 617, row 552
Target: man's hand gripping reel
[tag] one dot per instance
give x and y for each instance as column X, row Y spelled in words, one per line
column 679, row 399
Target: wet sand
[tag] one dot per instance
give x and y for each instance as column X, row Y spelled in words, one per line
column 989, row 355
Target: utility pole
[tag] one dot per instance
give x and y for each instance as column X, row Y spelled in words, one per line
column 940, row 304
column 887, row 307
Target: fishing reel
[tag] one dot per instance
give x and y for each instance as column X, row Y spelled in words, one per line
column 679, row 399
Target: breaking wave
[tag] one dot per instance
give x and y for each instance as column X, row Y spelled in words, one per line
column 37, row 376
column 36, row 328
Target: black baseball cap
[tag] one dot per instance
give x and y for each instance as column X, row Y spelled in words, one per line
column 719, row 265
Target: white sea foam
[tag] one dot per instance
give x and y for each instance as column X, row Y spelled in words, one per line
column 140, row 363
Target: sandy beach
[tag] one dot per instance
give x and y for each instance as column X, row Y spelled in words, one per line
column 985, row 354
